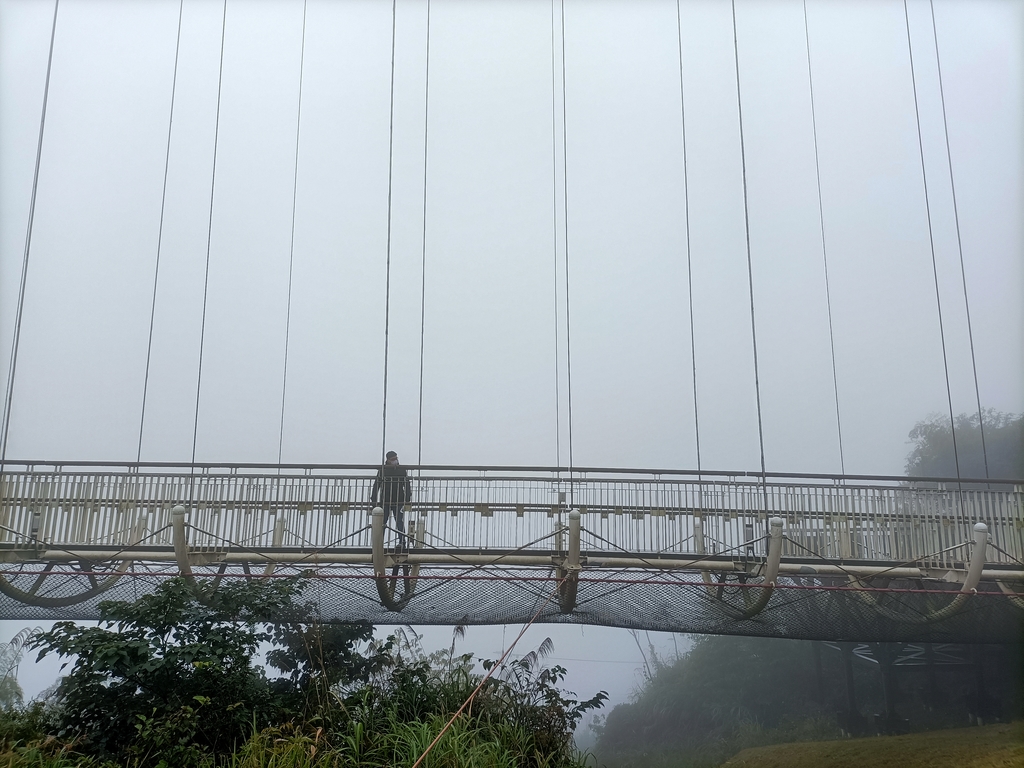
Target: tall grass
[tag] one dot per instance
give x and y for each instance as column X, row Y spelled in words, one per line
column 47, row 753
column 469, row 743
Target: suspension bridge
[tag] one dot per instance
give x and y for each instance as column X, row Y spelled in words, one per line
column 800, row 555
column 876, row 558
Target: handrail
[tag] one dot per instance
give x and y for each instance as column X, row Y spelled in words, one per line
column 732, row 475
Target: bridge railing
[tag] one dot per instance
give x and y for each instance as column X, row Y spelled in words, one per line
column 887, row 519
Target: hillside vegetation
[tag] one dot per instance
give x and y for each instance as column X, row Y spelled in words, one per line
column 171, row 681
column 727, row 694
column 990, row 746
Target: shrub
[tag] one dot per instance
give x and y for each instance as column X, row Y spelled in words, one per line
column 138, row 681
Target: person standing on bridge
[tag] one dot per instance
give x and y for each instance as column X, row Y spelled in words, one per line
column 392, row 484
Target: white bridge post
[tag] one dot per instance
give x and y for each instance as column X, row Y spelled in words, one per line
column 977, row 558
column 771, row 572
column 572, row 562
column 420, row 535
column 35, row 525
column 180, row 537
column 276, row 542
column 570, row 570
column 377, row 540
column 771, row 569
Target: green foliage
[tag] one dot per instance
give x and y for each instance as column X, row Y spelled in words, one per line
column 932, row 454
column 521, row 710
column 731, row 693
column 171, row 740
column 991, row 746
column 169, row 682
column 526, row 695
column 48, row 753
column 320, row 661
column 21, row 725
column 466, row 744
column 141, row 677
column 284, row 747
column 10, row 693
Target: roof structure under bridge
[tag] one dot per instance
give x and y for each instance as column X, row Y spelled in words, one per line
column 802, row 556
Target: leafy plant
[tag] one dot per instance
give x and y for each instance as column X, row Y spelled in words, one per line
column 138, row 679
column 321, row 662
column 526, row 695
column 22, row 725
column 169, row 681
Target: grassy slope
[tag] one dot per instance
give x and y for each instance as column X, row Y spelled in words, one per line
column 991, row 746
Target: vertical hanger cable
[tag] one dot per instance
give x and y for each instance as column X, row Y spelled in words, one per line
column 423, row 253
column 931, row 245
column 565, row 250
column 12, row 368
column 554, row 235
column 750, row 266
column 160, row 233
column 387, row 269
column 686, row 226
column 824, row 251
column 291, row 245
column 209, row 236
column 959, row 240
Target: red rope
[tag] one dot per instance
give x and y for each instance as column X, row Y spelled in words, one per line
column 490, row 672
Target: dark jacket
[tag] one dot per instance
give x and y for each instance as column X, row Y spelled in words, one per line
column 392, row 483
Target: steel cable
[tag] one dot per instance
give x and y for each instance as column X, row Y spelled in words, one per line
column 423, row 253
column 160, row 232
column 209, row 242
column 686, row 225
column 959, row 241
column 750, row 266
column 565, row 253
column 554, row 236
column 9, row 395
column 291, row 246
column 935, row 269
column 387, row 268
column 824, row 251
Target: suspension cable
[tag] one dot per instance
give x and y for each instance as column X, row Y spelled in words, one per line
column 686, row 225
column 554, row 236
column 9, row 395
column 824, row 250
column 209, row 233
column 959, row 241
column 750, row 267
column 565, row 252
column 160, row 232
column 931, row 244
column 291, row 247
column 689, row 260
column 387, row 269
column 423, row 239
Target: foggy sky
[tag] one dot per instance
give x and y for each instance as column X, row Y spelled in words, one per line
column 493, row 275
column 493, row 271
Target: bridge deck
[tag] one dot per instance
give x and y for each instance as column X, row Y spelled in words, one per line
column 495, row 539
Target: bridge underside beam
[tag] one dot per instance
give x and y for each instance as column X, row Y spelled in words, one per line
column 651, row 562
